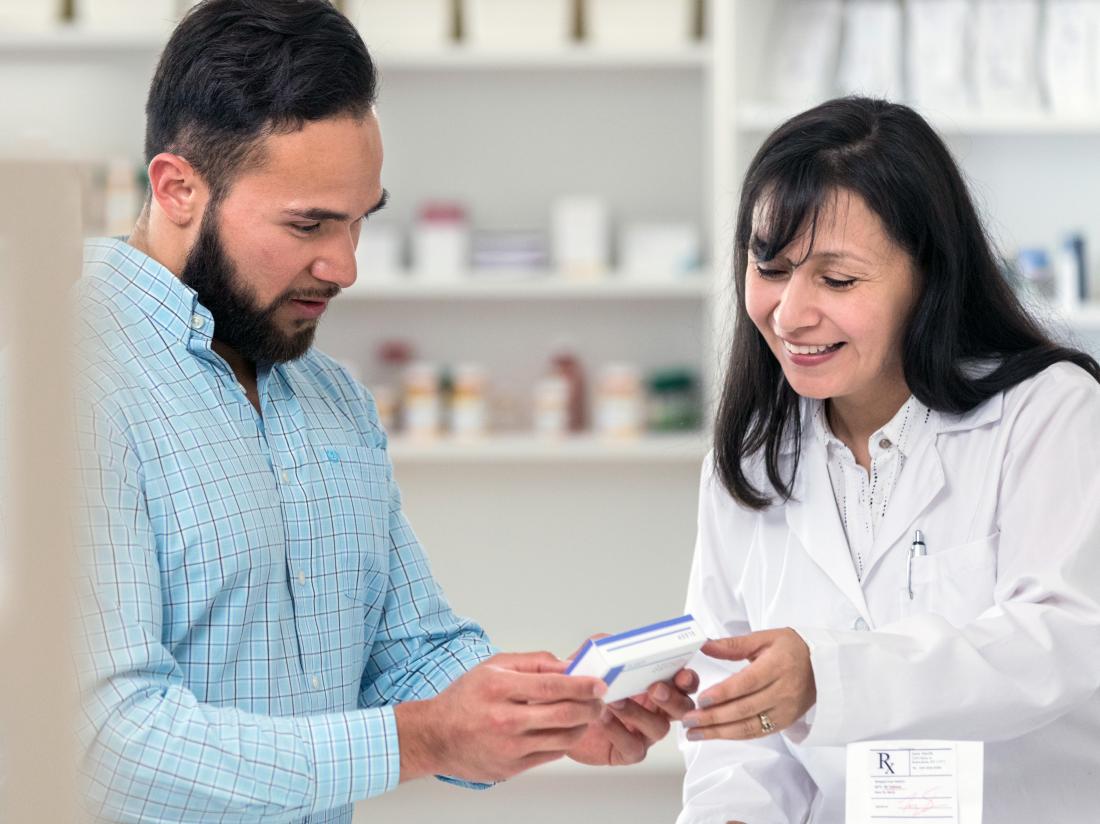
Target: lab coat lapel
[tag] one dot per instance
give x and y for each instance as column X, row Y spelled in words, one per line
column 813, row 518
column 920, row 481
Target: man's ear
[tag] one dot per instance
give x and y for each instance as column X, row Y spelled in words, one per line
column 176, row 188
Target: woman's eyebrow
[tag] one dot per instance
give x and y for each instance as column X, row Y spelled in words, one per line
column 837, row 255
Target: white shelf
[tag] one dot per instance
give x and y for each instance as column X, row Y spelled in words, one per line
column 671, row 448
column 76, row 40
column 569, row 57
column 518, row 286
column 758, row 116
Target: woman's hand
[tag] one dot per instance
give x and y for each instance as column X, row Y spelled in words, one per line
column 775, row 690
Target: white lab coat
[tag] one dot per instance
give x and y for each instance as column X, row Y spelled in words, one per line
column 1001, row 642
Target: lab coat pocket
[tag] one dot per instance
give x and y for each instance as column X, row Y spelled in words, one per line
column 352, row 502
column 956, row 583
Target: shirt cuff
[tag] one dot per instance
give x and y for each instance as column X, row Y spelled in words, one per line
column 355, row 756
column 821, row 726
column 470, row 785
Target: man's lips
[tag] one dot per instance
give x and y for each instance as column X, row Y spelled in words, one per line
column 309, row 308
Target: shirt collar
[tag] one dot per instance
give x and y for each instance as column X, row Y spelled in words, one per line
column 909, row 426
column 150, row 288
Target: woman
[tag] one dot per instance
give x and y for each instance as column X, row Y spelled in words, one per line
column 884, row 379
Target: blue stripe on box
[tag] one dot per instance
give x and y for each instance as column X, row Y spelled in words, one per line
column 577, row 659
column 611, row 639
column 612, row 675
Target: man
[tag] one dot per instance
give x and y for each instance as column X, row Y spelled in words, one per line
column 267, row 641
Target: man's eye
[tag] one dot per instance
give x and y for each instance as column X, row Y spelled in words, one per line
column 307, row 229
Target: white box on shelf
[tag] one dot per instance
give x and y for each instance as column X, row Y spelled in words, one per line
column 639, row 24
column 518, row 25
column 581, row 235
column 630, row 662
column 940, row 41
column 1005, row 55
column 18, row 16
column 870, row 55
column 154, row 16
column 801, row 62
column 441, row 251
column 396, row 26
column 659, row 250
column 1071, row 55
column 380, row 253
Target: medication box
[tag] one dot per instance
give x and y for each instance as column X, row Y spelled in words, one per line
column 630, row 662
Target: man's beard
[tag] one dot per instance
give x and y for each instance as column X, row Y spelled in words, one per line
column 238, row 322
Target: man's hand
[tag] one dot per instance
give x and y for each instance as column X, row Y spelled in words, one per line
column 509, row 714
column 627, row 729
column 779, row 682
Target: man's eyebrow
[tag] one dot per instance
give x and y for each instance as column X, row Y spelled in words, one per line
column 319, row 214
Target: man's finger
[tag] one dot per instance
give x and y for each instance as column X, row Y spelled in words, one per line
column 595, row 637
column 627, row 746
column 686, row 680
column 528, row 662
column 670, row 700
column 547, row 688
column 554, row 740
column 560, row 715
column 653, row 726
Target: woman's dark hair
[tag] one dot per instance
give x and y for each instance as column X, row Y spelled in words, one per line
column 237, row 71
column 966, row 310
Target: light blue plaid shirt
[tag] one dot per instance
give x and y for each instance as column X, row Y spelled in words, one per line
column 258, row 599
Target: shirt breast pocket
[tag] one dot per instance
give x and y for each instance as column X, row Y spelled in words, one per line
column 956, row 583
column 351, row 504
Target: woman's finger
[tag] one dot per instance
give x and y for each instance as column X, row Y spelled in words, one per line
column 731, row 711
column 741, row 729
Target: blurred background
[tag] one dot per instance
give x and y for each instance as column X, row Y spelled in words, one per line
column 542, row 309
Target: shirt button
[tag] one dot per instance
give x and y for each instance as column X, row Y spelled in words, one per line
column 885, row 443
column 286, row 477
column 301, row 577
column 197, row 321
column 860, row 625
column 316, row 682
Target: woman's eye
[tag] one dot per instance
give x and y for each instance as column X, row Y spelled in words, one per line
column 770, row 274
column 838, row 283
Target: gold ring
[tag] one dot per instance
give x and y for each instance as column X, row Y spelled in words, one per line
column 766, row 723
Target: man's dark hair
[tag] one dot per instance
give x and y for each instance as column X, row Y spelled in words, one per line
column 236, row 71
column 966, row 312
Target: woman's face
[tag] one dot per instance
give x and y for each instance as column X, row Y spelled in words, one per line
column 836, row 320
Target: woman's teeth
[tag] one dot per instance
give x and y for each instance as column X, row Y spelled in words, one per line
column 809, row 350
